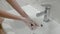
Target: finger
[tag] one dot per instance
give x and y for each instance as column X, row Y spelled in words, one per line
column 31, row 26
column 36, row 24
column 34, row 28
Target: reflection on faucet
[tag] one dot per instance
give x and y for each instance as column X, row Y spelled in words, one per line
column 46, row 19
column 46, row 12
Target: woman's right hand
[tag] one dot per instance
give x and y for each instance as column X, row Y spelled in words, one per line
column 31, row 24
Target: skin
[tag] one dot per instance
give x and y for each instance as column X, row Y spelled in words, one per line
column 17, row 7
column 5, row 14
column 1, row 29
column 24, row 17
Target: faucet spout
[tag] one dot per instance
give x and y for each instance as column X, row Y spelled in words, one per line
column 46, row 12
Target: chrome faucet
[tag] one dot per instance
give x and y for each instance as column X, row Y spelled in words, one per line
column 46, row 12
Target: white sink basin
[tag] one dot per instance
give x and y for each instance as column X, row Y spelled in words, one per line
column 18, row 27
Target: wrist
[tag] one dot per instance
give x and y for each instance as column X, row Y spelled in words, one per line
column 23, row 18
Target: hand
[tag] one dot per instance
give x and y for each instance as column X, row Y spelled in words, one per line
column 31, row 24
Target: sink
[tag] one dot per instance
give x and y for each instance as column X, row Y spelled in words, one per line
column 19, row 27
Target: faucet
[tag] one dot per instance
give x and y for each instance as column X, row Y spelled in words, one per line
column 46, row 12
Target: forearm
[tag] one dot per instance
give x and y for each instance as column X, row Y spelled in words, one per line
column 17, row 7
column 5, row 14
